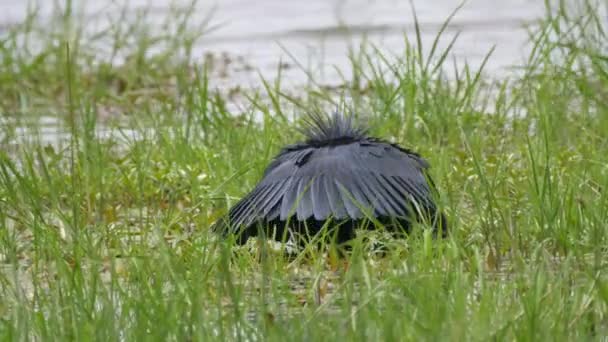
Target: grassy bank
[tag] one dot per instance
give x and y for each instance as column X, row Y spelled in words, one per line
column 107, row 237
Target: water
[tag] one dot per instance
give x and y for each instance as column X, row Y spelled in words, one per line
column 260, row 32
column 259, row 36
column 310, row 30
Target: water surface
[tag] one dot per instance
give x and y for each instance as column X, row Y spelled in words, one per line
column 256, row 37
column 318, row 33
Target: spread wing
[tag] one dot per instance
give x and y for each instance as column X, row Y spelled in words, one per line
column 341, row 181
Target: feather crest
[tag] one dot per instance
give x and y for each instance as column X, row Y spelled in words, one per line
column 336, row 129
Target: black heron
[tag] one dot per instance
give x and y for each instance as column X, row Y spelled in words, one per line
column 340, row 177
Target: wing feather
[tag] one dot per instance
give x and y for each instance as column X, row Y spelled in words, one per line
column 359, row 196
column 396, row 198
column 273, row 197
column 238, row 212
column 256, row 206
column 337, row 181
column 288, row 205
column 320, row 203
column 304, row 205
column 338, row 211
column 416, row 192
column 347, row 194
column 390, row 205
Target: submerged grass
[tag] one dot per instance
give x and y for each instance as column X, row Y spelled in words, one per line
column 108, row 237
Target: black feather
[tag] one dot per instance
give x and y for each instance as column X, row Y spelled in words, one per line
column 338, row 173
column 336, row 129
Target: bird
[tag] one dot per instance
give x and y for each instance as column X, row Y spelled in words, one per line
column 338, row 178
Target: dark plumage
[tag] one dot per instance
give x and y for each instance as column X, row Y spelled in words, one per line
column 341, row 174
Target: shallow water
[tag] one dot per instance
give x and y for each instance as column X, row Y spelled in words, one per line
column 253, row 38
column 318, row 33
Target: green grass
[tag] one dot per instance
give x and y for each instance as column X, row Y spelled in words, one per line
column 108, row 237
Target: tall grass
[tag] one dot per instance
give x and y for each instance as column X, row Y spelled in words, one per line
column 108, row 237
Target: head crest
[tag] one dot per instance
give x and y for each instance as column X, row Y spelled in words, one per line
column 326, row 130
